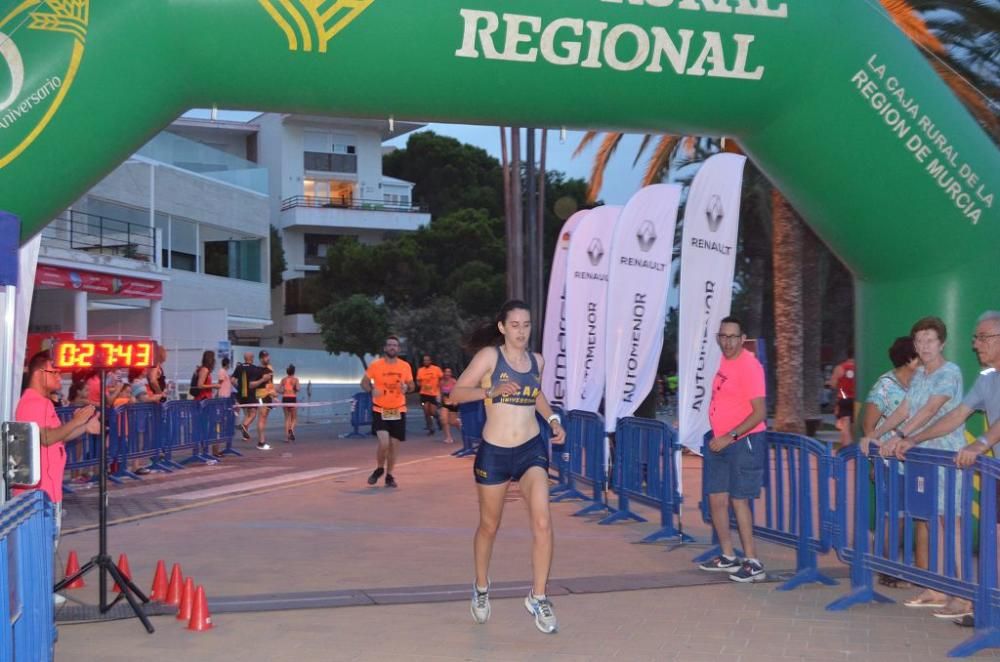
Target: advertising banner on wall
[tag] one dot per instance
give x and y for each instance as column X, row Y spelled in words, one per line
column 708, row 263
column 587, row 268
column 637, row 297
column 554, row 334
column 97, row 283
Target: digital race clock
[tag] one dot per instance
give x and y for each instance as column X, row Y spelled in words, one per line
column 76, row 354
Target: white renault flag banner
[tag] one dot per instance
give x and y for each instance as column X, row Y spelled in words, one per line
column 637, row 298
column 708, row 263
column 586, row 300
column 554, row 336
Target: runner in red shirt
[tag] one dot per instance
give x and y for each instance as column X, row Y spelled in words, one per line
column 842, row 381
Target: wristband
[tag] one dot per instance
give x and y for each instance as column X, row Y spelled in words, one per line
column 554, row 418
column 735, row 435
column 982, row 440
column 487, row 392
column 899, row 433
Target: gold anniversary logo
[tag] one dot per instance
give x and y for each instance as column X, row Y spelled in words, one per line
column 41, row 47
column 311, row 24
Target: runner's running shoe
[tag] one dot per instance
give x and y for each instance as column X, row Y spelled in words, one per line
column 375, row 476
column 721, row 563
column 751, row 571
column 541, row 609
column 480, row 604
column 390, row 481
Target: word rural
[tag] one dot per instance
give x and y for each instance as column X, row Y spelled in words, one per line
column 591, row 44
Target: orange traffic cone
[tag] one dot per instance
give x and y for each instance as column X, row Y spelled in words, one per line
column 73, row 567
column 200, row 618
column 159, row 592
column 187, row 600
column 125, row 570
column 173, row 597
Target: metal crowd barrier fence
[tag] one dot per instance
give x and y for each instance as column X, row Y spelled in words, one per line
column 218, row 419
column 927, row 489
column 154, row 432
column 795, row 504
column 645, row 471
column 361, row 415
column 473, row 417
column 587, row 465
column 27, row 624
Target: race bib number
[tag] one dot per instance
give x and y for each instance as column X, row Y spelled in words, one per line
column 391, row 414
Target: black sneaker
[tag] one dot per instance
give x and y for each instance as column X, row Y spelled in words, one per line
column 375, row 476
column 721, row 563
column 244, row 432
column 390, row 481
column 291, row 435
column 750, row 571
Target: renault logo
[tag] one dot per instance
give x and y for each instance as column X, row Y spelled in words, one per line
column 646, row 236
column 715, row 213
column 595, row 251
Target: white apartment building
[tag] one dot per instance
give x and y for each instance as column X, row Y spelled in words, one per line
column 326, row 181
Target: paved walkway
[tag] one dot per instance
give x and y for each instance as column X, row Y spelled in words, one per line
column 299, row 525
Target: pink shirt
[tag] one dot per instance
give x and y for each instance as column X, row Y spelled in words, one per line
column 33, row 408
column 737, row 382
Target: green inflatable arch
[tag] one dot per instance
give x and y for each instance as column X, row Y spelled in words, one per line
column 829, row 98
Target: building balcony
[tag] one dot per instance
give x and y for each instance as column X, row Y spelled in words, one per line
column 306, row 213
column 82, row 239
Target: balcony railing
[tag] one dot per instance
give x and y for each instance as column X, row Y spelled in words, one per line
column 100, row 235
column 325, row 162
column 350, row 203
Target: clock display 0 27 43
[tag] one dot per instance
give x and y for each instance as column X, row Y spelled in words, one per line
column 76, row 354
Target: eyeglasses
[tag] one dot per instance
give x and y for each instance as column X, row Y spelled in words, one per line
column 983, row 337
column 724, row 338
column 50, row 372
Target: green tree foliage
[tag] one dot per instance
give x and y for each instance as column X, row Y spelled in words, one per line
column 278, row 263
column 450, row 273
column 449, row 175
column 435, row 328
column 355, row 325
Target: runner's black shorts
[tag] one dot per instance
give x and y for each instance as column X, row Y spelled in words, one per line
column 845, row 408
column 396, row 429
column 429, row 399
column 287, row 400
column 496, row 465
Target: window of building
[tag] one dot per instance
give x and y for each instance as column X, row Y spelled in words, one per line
column 297, row 299
column 317, row 247
column 229, row 257
column 329, row 191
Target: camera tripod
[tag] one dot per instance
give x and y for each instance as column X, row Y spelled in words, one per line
column 103, row 561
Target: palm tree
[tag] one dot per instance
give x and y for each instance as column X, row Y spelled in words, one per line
column 975, row 46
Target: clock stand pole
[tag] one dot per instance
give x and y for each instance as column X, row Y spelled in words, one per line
column 103, row 562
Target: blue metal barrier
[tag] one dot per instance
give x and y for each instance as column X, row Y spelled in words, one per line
column 27, row 624
column 645, row 471
column 361, row 415
column 84, row 452
column 585, row 445
column 926, row 490
column 217, row 420
column 183, row 430
column 134, row 432
column 796, row 466
column 473, row 417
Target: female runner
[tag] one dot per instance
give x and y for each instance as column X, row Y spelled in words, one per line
column 508, row 377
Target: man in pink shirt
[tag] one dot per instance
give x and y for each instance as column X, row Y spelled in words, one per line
column 737, row 453
column 36, row 406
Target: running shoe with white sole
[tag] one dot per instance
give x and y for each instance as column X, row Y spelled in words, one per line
column 751, row 571
column 541, row 609
column 264, row 447
column 721, row 563
column 480, row 604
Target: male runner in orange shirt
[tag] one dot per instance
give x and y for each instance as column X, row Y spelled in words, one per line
column 388, row 379
column 429, row 377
